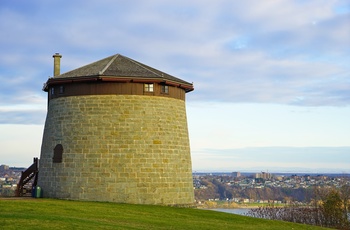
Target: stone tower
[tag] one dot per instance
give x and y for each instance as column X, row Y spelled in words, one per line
column 116, row 130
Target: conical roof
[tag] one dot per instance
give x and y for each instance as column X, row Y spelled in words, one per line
column 120, row 66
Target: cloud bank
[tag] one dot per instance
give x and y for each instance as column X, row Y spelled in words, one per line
column 274, row 159
column 281, row 52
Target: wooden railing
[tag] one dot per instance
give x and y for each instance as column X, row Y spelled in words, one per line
column 27, row 175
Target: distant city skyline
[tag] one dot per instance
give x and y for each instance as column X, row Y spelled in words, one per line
column 271, row 78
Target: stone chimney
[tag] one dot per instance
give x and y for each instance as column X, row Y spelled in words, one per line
column 56, row 64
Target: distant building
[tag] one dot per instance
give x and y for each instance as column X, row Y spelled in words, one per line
column 4, row 167
column 236, row 174
column 263, row 175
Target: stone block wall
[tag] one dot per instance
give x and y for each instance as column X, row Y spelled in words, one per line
column 117, row 148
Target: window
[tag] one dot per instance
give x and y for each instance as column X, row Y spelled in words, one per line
column 61, row 89
column 52, row 91
column 165, row 89
column 57, row 154
column 148, row 87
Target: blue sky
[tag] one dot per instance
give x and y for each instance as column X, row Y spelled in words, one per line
column 272, row 77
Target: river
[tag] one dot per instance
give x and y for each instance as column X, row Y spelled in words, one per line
column 239, row 211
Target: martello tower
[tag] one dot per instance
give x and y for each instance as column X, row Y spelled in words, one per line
column 116, row 130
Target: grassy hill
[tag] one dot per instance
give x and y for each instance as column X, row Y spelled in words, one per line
column 63, row 214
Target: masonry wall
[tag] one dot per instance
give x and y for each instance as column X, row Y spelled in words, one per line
column 118, row 148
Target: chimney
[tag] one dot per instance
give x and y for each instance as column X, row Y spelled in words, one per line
column 56, row 64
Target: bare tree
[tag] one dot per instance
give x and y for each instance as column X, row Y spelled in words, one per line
column 329, row 209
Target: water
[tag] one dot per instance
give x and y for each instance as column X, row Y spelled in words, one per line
column 239, row 211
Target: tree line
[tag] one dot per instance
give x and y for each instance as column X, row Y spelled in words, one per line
column 215, row 189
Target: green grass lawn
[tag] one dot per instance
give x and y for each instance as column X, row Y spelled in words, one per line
column 62, row 214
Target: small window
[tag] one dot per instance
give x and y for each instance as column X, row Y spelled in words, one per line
column 148, row 87
column 52, row 91
column 61, row 89
column 57, row 154
column 165, row 89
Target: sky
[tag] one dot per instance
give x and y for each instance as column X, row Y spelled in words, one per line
column 271, row 78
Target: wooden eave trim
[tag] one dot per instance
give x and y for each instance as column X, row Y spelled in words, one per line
column 187, row 88
column 56, row 81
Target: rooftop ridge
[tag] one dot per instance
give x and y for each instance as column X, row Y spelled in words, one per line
column 109, row 63
column 143, row 66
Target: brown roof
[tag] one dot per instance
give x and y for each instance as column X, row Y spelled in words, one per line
column 120, row 66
